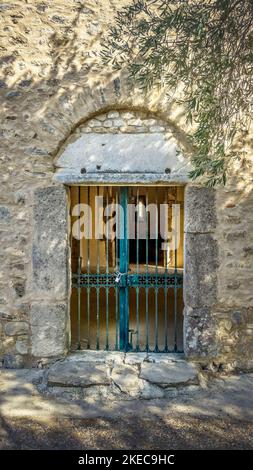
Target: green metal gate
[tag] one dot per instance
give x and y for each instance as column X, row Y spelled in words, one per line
column 126, row 294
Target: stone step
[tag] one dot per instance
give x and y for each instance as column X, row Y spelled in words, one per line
column 132, row 375
column 77, row 374
column 178, row 373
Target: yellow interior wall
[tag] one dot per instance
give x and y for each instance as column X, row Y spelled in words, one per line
column 175, row 194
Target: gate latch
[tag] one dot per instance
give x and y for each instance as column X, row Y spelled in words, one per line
column 118, row 277
column 121, row 279
column 131, row 332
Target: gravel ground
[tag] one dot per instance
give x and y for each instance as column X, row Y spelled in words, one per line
column 218, row 417
column 172, row 433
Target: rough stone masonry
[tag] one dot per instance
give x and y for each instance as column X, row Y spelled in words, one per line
column 54, row 89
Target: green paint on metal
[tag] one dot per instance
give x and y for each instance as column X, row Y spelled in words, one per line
column 123, row 265
column 97, row 288
column 107, row 272
column 88, row 270
column 147, row 290
column 79, row 288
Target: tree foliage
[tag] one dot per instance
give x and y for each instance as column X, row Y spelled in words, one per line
column 203, row 48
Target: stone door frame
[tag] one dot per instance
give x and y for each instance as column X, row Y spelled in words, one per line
column 51, row 273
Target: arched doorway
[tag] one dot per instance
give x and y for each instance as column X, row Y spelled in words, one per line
column 127, row 293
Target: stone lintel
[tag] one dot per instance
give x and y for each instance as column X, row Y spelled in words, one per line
column 75, row 176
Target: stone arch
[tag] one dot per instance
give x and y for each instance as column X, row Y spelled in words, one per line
column 67, row 110
column 51, row 274
column 136, row 143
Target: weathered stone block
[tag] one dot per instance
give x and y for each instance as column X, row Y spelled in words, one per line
column 126, row 378
column 50, row 246
column 25, row 83
column 199, row 333
column 99, row 357
column 5, row 214
column 16, row 328
column 149, row 122
column 69, row 393
column 19, row 288
column 248, row 251
column 77, row 374
column 113, row 115
column 6, row 316
column 200, row 278
column 170, row 375
column 135, row 122
column 200, row 209
column 22, row 346
column 8, row 345
column 49, row 327
column 58, row 19
column 108, row 123
column 118, row 123
column 94, row 123
column 157, row 129
column 235, row 236
column 238, row 318
column 164, row 358
column 127, row 115
column 135, row 358
column 13, row 94
column 150, row 391
column 13, row 361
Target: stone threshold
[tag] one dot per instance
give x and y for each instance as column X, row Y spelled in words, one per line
column 118, row 375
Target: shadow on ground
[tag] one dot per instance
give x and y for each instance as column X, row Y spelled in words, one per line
column 219, row 417
column 176, row 432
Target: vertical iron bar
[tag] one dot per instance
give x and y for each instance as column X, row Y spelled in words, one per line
column 117, row 267
column 116, row 318
column 98, row 288
column 156, row 271
column 79, row 280
column 88, row 269
column 123, row 289
column 126, row 269
column 146, row 289
column 107, row 272
column 166, row 280
column 137, row 271
column 175, row 281
column 117, row 230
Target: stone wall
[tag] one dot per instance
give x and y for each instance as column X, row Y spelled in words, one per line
column 51, row 84
column 234, row 310
column 124, row 122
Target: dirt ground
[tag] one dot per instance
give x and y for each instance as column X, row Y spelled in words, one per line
column 219, row 417
column 127, row 433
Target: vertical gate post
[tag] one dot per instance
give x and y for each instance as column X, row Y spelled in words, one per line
column 123, row 266
column 200, row 277
column 49, row 316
